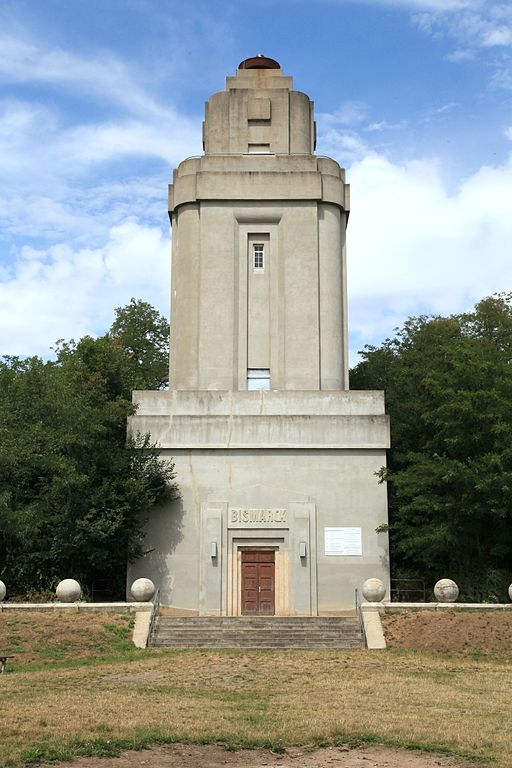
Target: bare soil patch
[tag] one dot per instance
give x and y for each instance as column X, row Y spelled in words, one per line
column 213, row 756
column 473, row 633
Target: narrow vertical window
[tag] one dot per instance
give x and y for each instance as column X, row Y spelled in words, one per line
column 258, row 256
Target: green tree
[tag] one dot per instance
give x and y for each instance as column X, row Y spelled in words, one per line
column 448, row 384
column 74, row 493
column 143, row 333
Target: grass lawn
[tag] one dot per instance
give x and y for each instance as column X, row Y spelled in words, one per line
column 92, row 702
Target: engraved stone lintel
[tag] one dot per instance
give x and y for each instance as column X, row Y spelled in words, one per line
column 275, row 517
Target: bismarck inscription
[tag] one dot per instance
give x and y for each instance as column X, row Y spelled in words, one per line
column 258, row 518
column 258, row 515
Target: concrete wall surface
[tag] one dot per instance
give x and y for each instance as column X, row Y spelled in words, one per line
column 319, row 488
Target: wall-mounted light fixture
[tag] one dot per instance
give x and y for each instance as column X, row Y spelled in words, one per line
column 302, row 549
column 213, row 549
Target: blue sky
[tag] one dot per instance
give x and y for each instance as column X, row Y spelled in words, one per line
column 100, row 99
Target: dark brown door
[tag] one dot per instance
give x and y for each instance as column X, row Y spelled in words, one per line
column 258, row 577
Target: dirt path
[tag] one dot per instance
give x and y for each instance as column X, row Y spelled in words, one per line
column 211, row 756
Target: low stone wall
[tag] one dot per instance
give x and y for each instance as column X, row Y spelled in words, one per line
column 131, row 607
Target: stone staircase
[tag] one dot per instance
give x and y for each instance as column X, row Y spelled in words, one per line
column 325, row 632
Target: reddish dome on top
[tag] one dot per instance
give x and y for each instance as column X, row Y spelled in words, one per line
column 259, row 62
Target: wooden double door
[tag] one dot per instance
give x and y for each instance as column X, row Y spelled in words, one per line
column 258, row 582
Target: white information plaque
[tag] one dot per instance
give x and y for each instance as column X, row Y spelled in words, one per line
column 343, row 541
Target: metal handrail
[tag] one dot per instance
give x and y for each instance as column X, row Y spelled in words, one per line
column 359, row 613
column 154, row 614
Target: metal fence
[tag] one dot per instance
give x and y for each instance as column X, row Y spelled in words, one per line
column 103, row 591
column 408, row 591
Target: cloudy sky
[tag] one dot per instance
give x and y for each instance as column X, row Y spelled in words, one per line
column 99, row 99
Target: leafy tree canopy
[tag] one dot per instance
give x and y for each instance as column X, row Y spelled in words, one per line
column 143, row 333
column 74, row 493
column 448, row 384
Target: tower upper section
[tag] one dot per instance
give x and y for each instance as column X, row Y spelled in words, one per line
column 259, row 113
column 258, row 246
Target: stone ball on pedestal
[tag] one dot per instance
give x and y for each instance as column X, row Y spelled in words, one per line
column 68, row 591
column 446, row 591
column 510, row 591
column 142, row 590
column 3, row 591
column 373, row 590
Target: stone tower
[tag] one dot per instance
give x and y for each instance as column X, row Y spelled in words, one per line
column 275, row 458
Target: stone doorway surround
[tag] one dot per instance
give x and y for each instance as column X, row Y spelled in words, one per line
column 234, row 573
column 227, row 531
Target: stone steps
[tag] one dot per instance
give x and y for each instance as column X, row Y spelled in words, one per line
column 327, row 632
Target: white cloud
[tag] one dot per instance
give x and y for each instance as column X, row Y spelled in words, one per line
column 349, row 113
column 64, row 293
column 383, row 125
column 80, row 215
column 502, row 78
column 475, row 26
column 55, row 190
column 429, row 5
column 414, row 247
column 461, row 55
column 340, row 133
column 34, row 141
column 103, row 75
column 49, row 144
column 337, row 137
column 50, row 167
column 493, row 36
column 20, row 124
column 344, row 144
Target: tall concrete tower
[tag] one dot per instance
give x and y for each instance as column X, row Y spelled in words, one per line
column 275, row 458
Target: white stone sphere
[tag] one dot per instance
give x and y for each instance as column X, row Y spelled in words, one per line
column 446, row 591
column 68, row 591
column 142, row 590
column 374, row 590
column 3, row 591
column 509, row 591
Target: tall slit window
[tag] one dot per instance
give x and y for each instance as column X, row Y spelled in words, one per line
column 258, row 257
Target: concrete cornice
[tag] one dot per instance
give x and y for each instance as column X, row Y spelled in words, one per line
column 260, row 178
column 259, row 403
column 269, row 432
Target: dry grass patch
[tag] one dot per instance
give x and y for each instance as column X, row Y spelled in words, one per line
column 55, row 636
column 274, row 697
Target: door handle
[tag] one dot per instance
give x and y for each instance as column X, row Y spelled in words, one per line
column 259, row 588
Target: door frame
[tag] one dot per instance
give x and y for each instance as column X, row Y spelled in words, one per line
column 234, row 572
column 246, row 560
